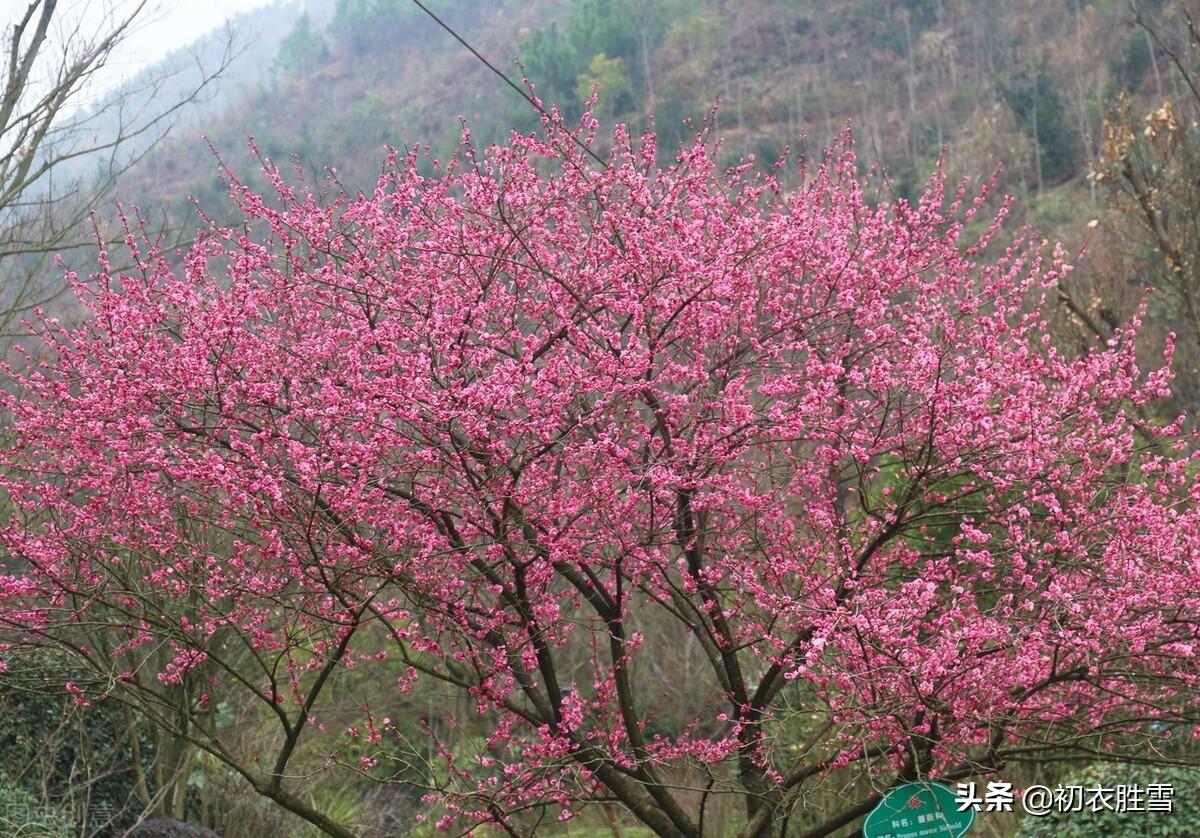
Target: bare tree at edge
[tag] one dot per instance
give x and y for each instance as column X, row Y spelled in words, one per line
column 59, row 159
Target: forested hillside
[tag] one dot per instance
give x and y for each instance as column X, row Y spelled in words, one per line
column 1024, row 83
column 1018, row 88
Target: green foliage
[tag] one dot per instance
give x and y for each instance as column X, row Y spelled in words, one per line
column 365, row 24
column 603, row 26
column 354, row 20
column 1181, row 822
column 1054, row 208
column 924, row 12
column 669, row 116
column 383, row 24
column 22, row 816
column 302, row 49
column 886, row 25
column 552, row 64
column 767, row 150
column 1127, row 68
column 224, row 801
column 1042, row 114
column 79, row 759
column 338, row 802
column 371, row 123
column 603, row 42
column 612, row 80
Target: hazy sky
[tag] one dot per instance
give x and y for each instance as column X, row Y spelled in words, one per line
column 169, row 25
column 164, row 26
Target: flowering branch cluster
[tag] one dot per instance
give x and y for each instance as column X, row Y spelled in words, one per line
column 536, row 428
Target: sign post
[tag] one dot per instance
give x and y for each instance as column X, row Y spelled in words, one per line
column 918, row 810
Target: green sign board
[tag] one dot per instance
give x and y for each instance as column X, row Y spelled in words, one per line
column 918, row 810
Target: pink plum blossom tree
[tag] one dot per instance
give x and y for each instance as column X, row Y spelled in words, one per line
column 542, row 431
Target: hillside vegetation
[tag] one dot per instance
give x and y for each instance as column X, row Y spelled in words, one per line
column 1026, row 91
column 1024, row 83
